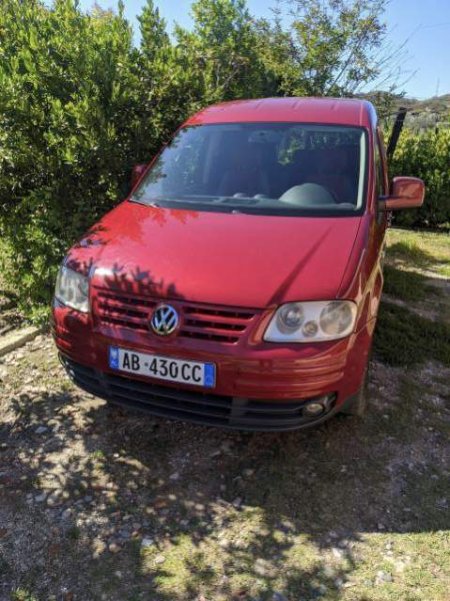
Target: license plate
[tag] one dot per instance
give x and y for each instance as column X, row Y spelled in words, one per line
column 162, row 368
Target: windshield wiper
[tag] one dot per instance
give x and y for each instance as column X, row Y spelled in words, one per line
column 145, row 202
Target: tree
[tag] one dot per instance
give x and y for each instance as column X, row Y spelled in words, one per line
column 329, row 48
column 222, row 51
column 154, row 37
column 166, row 89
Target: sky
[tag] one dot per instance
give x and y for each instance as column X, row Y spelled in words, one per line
column 423, row 25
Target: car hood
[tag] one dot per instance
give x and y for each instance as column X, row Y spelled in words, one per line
column 241, row 260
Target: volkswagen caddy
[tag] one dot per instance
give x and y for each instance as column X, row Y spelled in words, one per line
column 239, row 283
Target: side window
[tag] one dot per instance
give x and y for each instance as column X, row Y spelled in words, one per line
column 380, row 176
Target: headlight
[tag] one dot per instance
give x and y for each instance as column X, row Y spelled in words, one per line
column 72, row 289
column 311, row 321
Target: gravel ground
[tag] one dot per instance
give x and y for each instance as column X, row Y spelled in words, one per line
column 101, row 504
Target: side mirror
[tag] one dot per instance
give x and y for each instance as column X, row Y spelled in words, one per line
column 136, row 174
column 406, row 193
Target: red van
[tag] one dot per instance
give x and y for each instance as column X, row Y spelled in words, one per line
column 238, row 285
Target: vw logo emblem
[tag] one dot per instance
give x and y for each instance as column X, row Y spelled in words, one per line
column 164, row 320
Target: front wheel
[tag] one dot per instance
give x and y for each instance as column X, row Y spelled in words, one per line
column 357, row 405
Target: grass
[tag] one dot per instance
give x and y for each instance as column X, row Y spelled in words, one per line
column 405, row 335
column 407, row 285
column 416, row 261
column 425, row 251
column 404, row 338
column 21, row 594
column 3, row 254
column 98, row 455
column 73, row 533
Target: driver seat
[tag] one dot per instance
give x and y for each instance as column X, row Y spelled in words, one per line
column 245, row 174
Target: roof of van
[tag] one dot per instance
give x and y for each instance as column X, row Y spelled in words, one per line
column 341, row 111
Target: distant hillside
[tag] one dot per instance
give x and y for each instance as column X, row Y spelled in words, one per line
column 431, row 111
column 422, row 114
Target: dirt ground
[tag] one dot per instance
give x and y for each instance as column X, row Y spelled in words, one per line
column 96, row 503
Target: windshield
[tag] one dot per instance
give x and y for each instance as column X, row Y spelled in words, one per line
column 263, row 168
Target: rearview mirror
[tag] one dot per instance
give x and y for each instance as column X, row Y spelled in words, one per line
column 406, row 193
column 136, row 174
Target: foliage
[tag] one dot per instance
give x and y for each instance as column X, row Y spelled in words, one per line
column 68, row 125
column 80, row 104
column 425, row 155
column 330, row 48
column 164, row 87
column 222, row 51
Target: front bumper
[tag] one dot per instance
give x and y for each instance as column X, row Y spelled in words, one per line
column 201, row 408
column 261, row 386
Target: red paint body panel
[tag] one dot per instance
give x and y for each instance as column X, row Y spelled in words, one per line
column 216, row 261
column 305, row 110
column 227, row 259
column 259, row 371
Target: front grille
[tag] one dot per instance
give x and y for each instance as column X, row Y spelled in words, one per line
column 199, row 321
column 189, row 405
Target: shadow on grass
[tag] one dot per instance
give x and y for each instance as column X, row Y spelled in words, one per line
column 404, row 338
column 412, row 254
column 407, row 252
column 408, row 285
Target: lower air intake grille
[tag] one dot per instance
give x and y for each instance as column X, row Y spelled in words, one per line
column 190, row 405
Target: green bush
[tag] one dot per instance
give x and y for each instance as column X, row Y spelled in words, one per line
column 65, row 101
column 75, row 114
column 425, row 155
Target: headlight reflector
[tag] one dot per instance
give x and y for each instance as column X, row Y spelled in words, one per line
column 335, row 318
column 72, row 289
column 311, row 321
column 290, row 317
column 310, row 328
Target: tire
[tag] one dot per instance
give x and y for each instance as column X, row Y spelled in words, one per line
column 357, row 404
